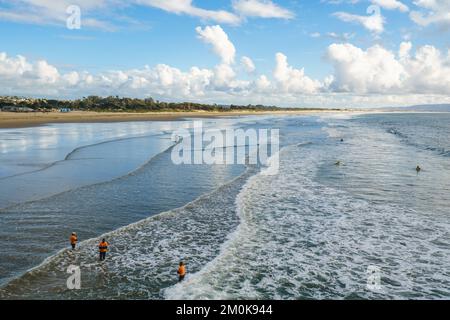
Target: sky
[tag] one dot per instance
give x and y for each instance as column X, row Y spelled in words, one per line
column 304, row 53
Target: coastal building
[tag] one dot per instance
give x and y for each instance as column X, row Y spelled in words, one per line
column 16, row 109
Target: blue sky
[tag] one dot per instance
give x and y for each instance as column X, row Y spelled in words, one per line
column 134, row 37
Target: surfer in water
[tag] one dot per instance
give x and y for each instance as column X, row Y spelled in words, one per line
column 418, row 169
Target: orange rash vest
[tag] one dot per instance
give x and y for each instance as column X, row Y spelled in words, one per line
column 103, row 246
column 182, row 270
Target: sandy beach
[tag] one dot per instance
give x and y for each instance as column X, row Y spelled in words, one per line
column 20, row 120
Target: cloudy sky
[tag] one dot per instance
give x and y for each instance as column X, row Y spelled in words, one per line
column 305, row 53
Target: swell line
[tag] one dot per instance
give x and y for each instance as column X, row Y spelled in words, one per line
column 172, row 292
column 67, row 157
column 134, row 171
column 109, row 234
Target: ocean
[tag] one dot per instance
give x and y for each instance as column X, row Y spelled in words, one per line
column 345, row 211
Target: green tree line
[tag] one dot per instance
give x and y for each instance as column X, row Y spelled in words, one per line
column 122, row 104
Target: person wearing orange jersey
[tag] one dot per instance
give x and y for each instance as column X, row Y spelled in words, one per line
column 103, row 248
column 73, row 240
column 181, row 271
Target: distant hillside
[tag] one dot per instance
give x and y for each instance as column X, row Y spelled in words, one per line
column 427, row 108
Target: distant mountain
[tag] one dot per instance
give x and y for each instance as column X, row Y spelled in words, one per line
column 425, row 108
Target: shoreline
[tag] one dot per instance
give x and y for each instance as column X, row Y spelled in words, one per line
column 9, row 120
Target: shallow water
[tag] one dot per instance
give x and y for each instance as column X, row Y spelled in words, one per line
column 52, row 157
column 95, row 189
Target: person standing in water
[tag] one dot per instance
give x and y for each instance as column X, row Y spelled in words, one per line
column 73, row 240
column 103, row 248
column 181, row 271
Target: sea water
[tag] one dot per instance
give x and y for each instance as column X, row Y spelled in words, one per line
column 346, row 201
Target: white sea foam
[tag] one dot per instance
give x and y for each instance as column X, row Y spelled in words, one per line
column 143, row 256
column 300, row 239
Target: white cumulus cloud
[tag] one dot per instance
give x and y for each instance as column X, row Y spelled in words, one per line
column 405, row 49
column 248, row 64
column 291, row 80
column 378, row 70
column 360, row 71
column 222, row 46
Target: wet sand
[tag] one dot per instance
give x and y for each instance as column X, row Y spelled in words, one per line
column 20, row 120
